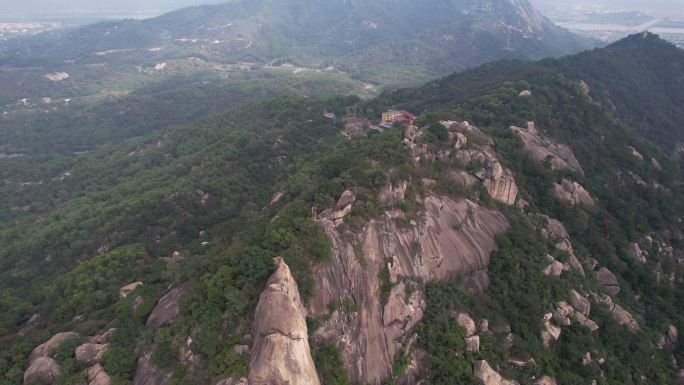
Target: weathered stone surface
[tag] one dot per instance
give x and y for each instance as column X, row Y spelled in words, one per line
column 500, row 184
column 43, row 369
column 54, row 342
column 137, row 301
column 543, row 149
column 488, row 376
column 277, row 197
column 91, row 354
column 391, row 193
column 241, row 349
column 573, row 193
column 625, row 318
column 551, row 332
column 461, row 178
column 147, row 373
column 579, row 302
column 466, row 322
column 555, row 269
column 546, row 380
column 586, row 322
column 97, row 375
column 168, row 308
column 670, row 338
column 30, row 324
column 128, row 289
column 525, row 93
column 584, row 87
column 342, row 207
column 102, row 338
column 472, row 344
column 608, row 281
column 401, row 310
column 449, row 238
column 636, row 153
column 656, row 165
column 635, row 252
column 280, row 354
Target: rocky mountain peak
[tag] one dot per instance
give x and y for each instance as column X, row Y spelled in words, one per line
column 281, row 354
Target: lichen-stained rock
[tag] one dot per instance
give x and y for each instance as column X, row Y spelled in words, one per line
column 608, row 281
column 97, row 375
column 147, row 373
column 91, row 354
column 54, row 342
column 670, row 338
column 449, row 238
column 280, row 353
column 42, row 370
column 488, row 376
column 560, row 156
column 573, row 193
column 168, row 308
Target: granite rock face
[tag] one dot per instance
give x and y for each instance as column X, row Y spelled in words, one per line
column 147, row 373
column 559, row 156
column 42, row 370
column 280, row 353
column 449, row 238
column 168, row 308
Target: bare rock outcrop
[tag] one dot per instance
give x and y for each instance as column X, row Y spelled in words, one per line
column 472, row 344
column 579, row 302
column 44, row 349
column 97, row 375
column 635, row 252
column 546, row 380
column 467, row 323
column 392, row 193
column 42, row 370
column 168, row 308
column 560, row 156
column 670, row 339
column 558, row 235
column 620, row 314
column 342, row 207
column 608, row 281
column 280, row 353
column 128, row 289
column 551, row 333
column 91, row 354
column 450, row 237
column 554, row 269
column 573, row 193
column 500, row 184
column 148, row 373
column 488, row 376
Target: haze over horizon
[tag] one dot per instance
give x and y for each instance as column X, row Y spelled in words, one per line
column 30, row 8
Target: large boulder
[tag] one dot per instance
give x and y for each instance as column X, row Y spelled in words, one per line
column 670, row 338
column 148, row 373
column 500, row 184
column 91, row 354
column 97, row 375
column 42, row 370
column 560, row 157
column 467, row 323
column 579, row 302
column 128, row 289
column 168, row 308
column 551, row 333
column 488, row 376
column 53, row 343
column 608, row 281
column 573, row 193
column 280, row 353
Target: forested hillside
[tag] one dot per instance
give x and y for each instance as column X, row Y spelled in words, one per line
column 526, row 227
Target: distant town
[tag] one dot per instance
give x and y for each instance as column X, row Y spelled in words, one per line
column 611, row 25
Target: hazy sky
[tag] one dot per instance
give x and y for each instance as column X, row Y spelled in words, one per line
column 24, row 7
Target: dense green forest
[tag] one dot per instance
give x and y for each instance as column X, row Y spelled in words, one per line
column 192, row 202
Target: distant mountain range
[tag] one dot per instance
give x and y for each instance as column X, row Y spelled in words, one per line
column 365, row 38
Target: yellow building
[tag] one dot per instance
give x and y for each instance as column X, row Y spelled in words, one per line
column 390, row 116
